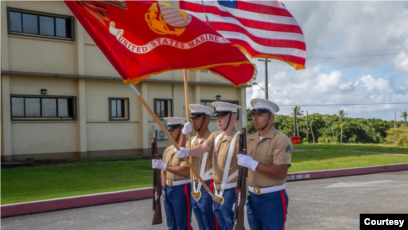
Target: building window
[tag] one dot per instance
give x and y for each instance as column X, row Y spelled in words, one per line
column 27, row 107
column 40, row 24
column 209, row 104
column 118, row 109
column 162, row 107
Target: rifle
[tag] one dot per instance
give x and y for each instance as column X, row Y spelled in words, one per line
column 157, row 216
column 241, row 184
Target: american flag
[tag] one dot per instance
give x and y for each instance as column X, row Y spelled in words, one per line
column 263, row 29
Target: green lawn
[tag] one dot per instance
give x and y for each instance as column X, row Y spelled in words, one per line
column 314, row 160
column 366, row 147
column 55, row 181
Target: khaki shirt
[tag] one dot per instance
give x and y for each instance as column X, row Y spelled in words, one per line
column 221, row 153
column 197, row 160
column 170, row 158
column 275, row 148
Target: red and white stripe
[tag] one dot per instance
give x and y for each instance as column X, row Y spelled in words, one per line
column 262, row 28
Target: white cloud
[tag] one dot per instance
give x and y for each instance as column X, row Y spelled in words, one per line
column 325, row 88
column 371, row 83
column 401, row 62
column 344, row 27
column 349, row 27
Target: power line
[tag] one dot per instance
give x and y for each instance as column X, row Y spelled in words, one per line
column 355, row 56
column 359, row 54
column 369, row 51
column 280, row 91
column 383, row 103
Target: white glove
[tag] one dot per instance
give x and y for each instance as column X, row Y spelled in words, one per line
column 187, row 128
column 247, row 162
column 162, row 195
column 158, row 164
column 183, row 152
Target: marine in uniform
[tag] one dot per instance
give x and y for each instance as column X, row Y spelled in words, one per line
column 201, row 201
column 268, row 160
column 175, row 181
column 225, row 146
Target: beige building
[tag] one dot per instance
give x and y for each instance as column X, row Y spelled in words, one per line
column 61, row 98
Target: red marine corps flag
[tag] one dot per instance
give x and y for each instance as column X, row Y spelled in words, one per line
column 143, row 38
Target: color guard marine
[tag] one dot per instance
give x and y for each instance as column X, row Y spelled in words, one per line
column 225, row 146
column 268, row 160
column 175, row 181
column 201, row 201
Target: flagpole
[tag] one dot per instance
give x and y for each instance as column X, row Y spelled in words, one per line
column 188, row 145
column 171, row 140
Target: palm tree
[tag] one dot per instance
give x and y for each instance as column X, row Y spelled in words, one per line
column 296, row 112
column 342, row 114
column 404, row 115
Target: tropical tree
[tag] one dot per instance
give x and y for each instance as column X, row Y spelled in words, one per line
column 404, row 115
column 342, row 114
column 397, row 137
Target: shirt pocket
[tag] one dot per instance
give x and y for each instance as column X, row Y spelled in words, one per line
column 251, row 148
column 222, row 150
column 267, row 153
column 174, row 161
column 267, row 149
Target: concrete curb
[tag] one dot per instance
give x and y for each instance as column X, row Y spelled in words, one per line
column 345, row 172
column 136, row 194
column 74, row 202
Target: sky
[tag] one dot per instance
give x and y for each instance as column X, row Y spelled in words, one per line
column 374, row 33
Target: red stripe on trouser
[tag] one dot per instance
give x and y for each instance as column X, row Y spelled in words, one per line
column 212, row 190
column 284, row 208
column 188, row 206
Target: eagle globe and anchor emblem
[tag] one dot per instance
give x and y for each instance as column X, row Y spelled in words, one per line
column 162, row 15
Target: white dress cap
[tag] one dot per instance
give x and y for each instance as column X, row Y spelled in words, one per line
column 174, row 122
column 259, row 104
column 225, row 107
column 197, row 110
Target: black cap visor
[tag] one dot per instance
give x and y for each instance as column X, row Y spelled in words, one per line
column 262, row 110
column 195, row 115
column 222, row 113
column 171, row 127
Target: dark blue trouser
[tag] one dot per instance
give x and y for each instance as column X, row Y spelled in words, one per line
column 177, row 207
column 203, row 209
column 224, row 212
column 267, row 211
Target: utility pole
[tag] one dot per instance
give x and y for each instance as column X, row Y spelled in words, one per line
column 307, row 127
column 294, row 121
column 395, row 120
column 266, row 76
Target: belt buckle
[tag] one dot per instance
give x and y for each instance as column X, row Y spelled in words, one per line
column 170, row 183
column 218, row 186
column 257, row 190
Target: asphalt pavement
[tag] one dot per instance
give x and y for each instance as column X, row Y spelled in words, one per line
column 333, row 203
